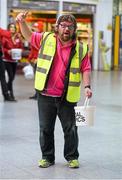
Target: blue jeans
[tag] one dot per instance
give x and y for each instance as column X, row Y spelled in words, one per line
column 49, row 108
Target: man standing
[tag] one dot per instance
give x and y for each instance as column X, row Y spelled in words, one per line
column 61, row 62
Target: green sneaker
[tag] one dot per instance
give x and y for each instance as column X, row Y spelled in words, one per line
column 43, row 163
column 73, row 163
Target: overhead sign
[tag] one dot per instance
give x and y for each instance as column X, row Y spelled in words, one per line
column 34, row 4
column 79, row 8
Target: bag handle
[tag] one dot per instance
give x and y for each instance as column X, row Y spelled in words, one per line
column 86, row 103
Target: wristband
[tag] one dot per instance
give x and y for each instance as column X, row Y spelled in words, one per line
column 88, row 86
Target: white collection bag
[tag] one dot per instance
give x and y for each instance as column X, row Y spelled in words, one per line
column 84, row 115
column 28, row 72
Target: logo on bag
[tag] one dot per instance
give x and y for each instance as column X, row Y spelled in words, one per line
column 79, row 117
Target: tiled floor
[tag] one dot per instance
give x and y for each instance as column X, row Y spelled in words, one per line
column 100, row 146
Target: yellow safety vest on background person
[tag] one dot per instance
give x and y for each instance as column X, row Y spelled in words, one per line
column 46, row 55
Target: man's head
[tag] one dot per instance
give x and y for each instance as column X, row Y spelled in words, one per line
column 66, row 27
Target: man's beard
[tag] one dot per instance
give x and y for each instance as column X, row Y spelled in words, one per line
column 66, row 38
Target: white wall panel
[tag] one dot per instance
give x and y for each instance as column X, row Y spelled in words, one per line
column 3, row 13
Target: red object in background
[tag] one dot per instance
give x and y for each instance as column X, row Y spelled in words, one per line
column 8, row 44
column 33, row 55
column 4, row 33
column 38, row 25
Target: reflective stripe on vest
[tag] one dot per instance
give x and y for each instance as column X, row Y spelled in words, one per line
column 74, row 88
column 44, row 62
column 48, row 47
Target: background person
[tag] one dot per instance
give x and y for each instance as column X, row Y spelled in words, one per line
column 14, row 41
column 4, row 86
column 62, row 60
column 33, row 55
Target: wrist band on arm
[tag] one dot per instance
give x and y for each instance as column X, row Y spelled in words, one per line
column 88, row 86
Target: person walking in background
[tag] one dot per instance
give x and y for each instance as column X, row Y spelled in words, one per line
column 61, row 62
column 4, row 86
column 103, row 49
column 14, row 41
column 33, row 55
column 32, row 58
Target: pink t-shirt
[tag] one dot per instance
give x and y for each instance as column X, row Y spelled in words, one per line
column 55, row 83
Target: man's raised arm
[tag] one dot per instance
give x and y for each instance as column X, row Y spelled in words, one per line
column 25, row 30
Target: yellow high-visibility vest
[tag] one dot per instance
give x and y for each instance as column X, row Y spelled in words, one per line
column 46, row 56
